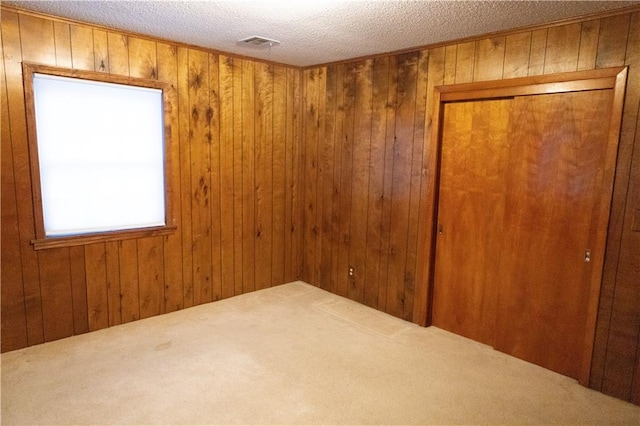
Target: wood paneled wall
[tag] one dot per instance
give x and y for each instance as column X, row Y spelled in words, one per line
column 366, row 125
column 285, row 172
column 234, row 129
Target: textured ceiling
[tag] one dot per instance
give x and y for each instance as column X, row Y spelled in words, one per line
column 316, row 31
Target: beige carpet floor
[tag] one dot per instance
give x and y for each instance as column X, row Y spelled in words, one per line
column 292, row 354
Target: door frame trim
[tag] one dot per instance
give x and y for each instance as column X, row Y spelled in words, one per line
column 609, row 78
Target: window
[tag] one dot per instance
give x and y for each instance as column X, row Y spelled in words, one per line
column 99, row 155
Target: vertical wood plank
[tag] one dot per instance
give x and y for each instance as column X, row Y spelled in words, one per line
column 537, row 52
column 612, row 40
column 327, row 154
column 82, row 48
column 279, row 173
column 151, row 276
column 450, row 54
column 416, row 178
column 380, row 88
column 118, row 48
column 290, row 174
column 489, row 59
column 407, row 71
column 563, row 46
column 55, row 280
column 200, row 139
column 322, row 118
column 337, row 267
column 360, row 177
column 248, row 179
column 100, row 51
column 516, row 55
column 465, row 61
column 168, row 71
column 238, row 189
column 36, row 38
column 79, row 290
column 311, row 172
column 142, row 58
column 588, row 45
column 214, row 103
column 226, row 174
column 185, row 175
column 390, row 143
column 264, row 173
column 297, row 184
column 62, row 37
column 14, row 319
column 13, row 45
column 129, row 280
column 346, row 175
column 113, row 283
column 97, row 297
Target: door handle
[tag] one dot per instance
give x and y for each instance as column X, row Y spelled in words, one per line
column 587, row 256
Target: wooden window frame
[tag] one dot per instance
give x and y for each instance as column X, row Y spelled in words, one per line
column 41, row 241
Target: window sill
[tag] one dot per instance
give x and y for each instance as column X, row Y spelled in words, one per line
column 103, row 237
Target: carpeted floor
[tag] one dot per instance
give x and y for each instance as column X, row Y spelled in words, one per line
column 292, row 354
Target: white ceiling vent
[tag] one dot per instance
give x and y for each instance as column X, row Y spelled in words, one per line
column 259, row 41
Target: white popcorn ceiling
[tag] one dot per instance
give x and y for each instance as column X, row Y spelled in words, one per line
column 316, row 31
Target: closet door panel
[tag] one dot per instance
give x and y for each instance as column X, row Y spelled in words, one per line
column 558, row 145
column 470, row 215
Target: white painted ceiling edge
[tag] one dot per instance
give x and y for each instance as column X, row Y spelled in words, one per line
column 314, row 32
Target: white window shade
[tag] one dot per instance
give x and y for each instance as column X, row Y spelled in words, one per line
column 101, row 155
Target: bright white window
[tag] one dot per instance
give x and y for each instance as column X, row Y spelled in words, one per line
column 101, row 155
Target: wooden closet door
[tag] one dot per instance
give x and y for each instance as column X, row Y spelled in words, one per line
column 470, row 219
column 558, row 148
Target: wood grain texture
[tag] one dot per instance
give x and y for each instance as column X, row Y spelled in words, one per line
column 617, row 318
column 216, row 230
column 310, row 156
column 129, row 285
column 360, row 177
column 563, row 47
column 329, row 226
column 226, row 75
column 604, row 42
column 238, row 161
column 168, row 71
column 63, row 44
column 264, row 174
column 57, row 292
column 387, row 189
column 558, row 196
column 472, row 195
column 380, row 88
column 587, row 45
column 491, row 52
column 82, row 48
column 248, row 178
column 97, row 295
column 14, row 321
column 516, row 55
column 346, row 118
column 13, row 56
column 113, row 283
column 200, row 116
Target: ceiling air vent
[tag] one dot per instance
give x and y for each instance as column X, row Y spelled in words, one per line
column 259, row 41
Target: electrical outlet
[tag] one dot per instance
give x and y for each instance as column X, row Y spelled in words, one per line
column 351, row 271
